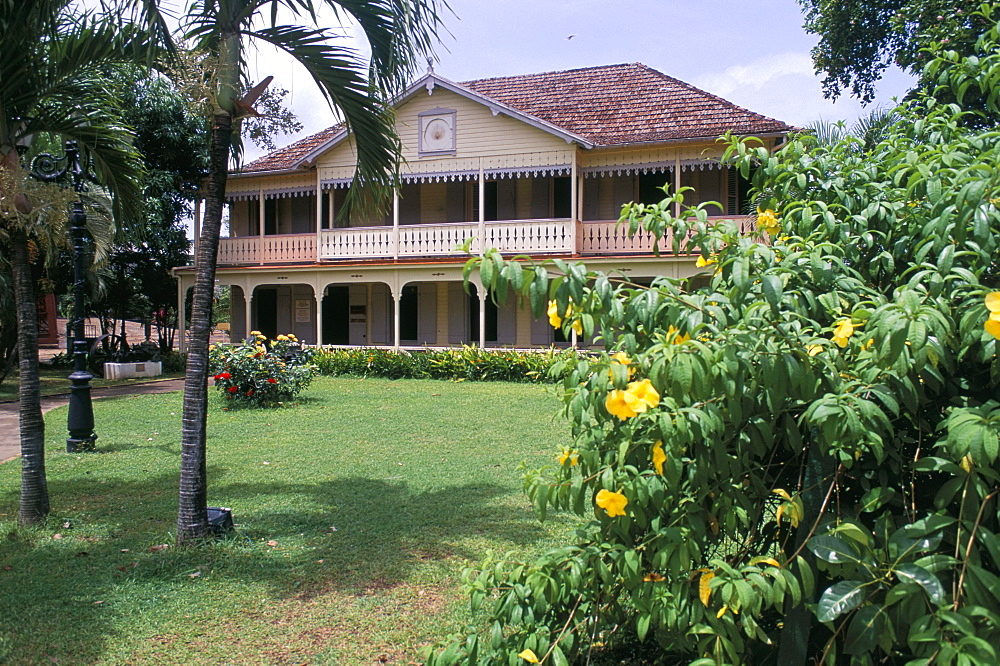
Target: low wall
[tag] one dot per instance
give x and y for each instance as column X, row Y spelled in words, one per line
column 127, row 370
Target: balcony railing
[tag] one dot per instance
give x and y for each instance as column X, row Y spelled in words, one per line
column 543, row 236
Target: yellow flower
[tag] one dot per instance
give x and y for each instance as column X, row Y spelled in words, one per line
column 635, row 399
column 621, row 358
column 528, row 656
column 814, row 349
column 653, row 577
column 612, row 502
column 767, row 222
column 992, row 325
column 702, row 262
column 659, row 457
column 554, row 319
column 571, row 456
column 843, row 331
column 256, row 334
column 618, row 404
column 292, row 338
column 211, row 348
column 282, row 338
column 678, row 337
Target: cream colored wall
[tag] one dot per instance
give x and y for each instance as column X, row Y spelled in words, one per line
column 478, row 134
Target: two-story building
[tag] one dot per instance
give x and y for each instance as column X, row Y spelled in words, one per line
column 538, row 164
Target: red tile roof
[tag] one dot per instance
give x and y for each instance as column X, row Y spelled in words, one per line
column 622, row 104
column 608, row 106
column 289, row 156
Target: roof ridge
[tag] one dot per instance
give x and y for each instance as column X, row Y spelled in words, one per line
column 554, row 71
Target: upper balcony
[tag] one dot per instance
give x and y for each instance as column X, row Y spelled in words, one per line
column 533, row 237
column 534, row 215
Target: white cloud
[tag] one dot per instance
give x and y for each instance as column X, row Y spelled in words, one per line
column 784, row 86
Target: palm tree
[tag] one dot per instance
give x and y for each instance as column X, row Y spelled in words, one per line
column 400, row 33
column 50, row 84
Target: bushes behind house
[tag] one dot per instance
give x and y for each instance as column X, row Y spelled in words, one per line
column 465, row 363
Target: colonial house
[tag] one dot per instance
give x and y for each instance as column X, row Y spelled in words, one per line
column 537, row 164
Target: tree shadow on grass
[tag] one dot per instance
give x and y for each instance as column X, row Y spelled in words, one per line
column 67, row 598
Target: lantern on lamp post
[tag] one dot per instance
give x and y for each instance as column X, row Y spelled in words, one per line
column 80, row 422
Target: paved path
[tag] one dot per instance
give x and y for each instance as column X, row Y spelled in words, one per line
column 10, row 443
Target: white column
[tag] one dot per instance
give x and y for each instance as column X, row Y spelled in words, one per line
column 395, row 316
column 260, row 208
column 482, row 208
column 677, row 181
column 481, row 292
column 318, row 295
column 197, row 224
column 249, row 301
column 368, row 313
column 572, row 337
column 395, row 228
column 578, row 215
column 319, row 218
column 181, row 297
column 574, row 212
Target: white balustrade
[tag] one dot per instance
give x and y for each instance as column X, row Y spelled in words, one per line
column 356, row 243
column 544, row 236
column 239, row 250
column 289, row 248
column 530, row 236
column 426, row 240
column 609, row 237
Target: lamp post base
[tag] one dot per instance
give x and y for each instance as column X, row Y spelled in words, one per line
column 81, row 414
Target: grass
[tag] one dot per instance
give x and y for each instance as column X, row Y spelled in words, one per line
column 55, row 380
column 355, row 511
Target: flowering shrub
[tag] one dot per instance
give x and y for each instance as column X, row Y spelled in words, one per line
column 259, row 373
column 798, row 463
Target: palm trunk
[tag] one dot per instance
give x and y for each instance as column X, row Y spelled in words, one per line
column 34, row 490
column 192, row 515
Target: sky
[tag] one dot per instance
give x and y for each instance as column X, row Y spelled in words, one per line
column 753, row 53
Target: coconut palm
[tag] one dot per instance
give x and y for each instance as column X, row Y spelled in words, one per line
column 50, row 64
column 400, row 34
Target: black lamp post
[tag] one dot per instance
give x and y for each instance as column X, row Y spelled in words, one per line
column 81, row 410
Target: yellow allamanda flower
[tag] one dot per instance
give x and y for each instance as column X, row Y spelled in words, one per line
column 814, row 349
column 659, row 457
column 675, row 336
column 635, row 399
column 556, row 321
column 612, row 502
column 528, row 656
column 702, row 262
column 843, row 332
column 653, row 577
column 767, row 222
column 282, row 338
column 571, row 456
column 992, row 325
column 621, row 358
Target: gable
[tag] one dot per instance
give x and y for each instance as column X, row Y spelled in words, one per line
column 495, row 142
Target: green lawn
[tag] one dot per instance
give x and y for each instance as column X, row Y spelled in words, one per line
column 355, row 510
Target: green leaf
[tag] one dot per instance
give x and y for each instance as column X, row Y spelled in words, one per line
column 771, row 285
column 875, row 498
column 838, row 599
column 862, row 632
column 911, row 573
column 832, row 549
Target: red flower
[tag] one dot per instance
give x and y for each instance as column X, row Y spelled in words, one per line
column 233, row 389
column 223, row 375
column 250, row 392
column 272, row 380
